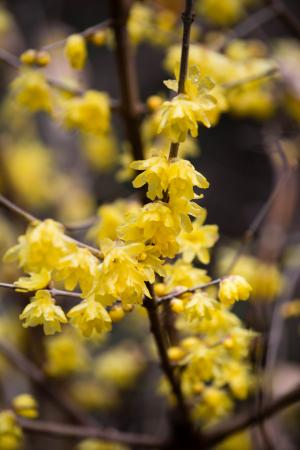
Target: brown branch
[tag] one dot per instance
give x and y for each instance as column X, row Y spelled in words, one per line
column 180, row 292
column 188, row 17
column 130, row 109
column 37, row 376
column 59, row 430
column 242, row 421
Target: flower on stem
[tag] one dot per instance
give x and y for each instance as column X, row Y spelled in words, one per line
column 182, row 114
column 234, row 288
column 42, row 310
column 90, row 317
column 75, row 51
column 34, row 282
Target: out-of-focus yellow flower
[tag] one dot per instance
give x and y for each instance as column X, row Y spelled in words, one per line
column 215, row 403
column 233, row 288
column 183, row 275
column 89, row 113
column 65, row 355
column 237, row 441
column 90, row 317
column 29, row 164
column 75, row 51
column 223, row 13
column 91, row 395
column 198, row 241
column 120, row 366
column 42, row 310
column 25, row 405
column 242, row 50
column 31, row 90
column 182, row 114
column 264, row 278
column 110, row 217
column 139, row 22
column 100, row 150
column 11, row 435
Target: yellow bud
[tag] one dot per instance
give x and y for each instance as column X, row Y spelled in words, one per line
column 228, row 343
column 189, row 342
column 98, row 38
column 116, row 313
column 28, row 57
column 25, row 405
column 128, row 307
column 43, row 58
column 160, row 289
column 75, row 51
column 154, row 102
column 175, row 353
column 177, row 305
column 198, row 388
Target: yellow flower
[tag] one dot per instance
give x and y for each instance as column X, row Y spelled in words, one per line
column 42, row 310
column 177, row 177
column 90, row 317
column 78, row 268
column 25, row 405
column 199, row 306
column 110, row 217
column 198, row 241
column 139, row 22
column 32, row 91
column 89, row 113
column 42, row 246
column 75, row 51
column 34, row 282
column 125, row 270
column 183, row 275
column 11, row 435
column 233, row 288
column 154, row 225
column 182, row 114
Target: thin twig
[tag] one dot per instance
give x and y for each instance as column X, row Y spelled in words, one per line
column 85, row 33
column 188, row 17
column 270, row 73
column 258, row 219
column 181, row 292
column 59, row 430
column 58, row 397
column 53, row 292
column 242, row 421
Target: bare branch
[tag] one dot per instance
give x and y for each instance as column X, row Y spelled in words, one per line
column 59, row 430
column 181, row 292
